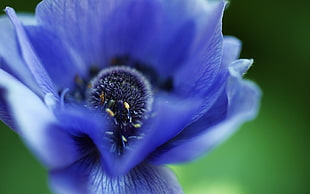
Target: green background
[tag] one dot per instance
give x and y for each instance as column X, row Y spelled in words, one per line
column 267, row 156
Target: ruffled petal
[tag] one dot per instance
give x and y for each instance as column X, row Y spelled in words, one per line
column 231, row 50
column 243, row 104
column 82, row 178
column 30, row 58
column 10, row 59
column 204, row 75
column 199, row 73
column 36, row 124
column 239, row 67
column 196, row 24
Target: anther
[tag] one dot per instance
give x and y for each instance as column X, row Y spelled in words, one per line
column 109, row 132
column 124, row 139
column 101, row 98
column 126, row 105
column 110, row 112
column 137, row 125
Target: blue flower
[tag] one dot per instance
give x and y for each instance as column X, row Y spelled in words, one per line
column 105, row 92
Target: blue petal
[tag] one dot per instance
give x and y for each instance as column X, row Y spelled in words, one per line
column 61, row 63
column 243, row 104
column 80, row 24
column 204, row 66
column 5, row 115
column 10, row 59
column 171, row 115
column 211, row 84
column 214, row 115
column 231, row 50
column 33, row 63
column 36, row 124
column 168, row 35
column 156, row 33
column 89, row 130
column 239, row 67
column 205, row 75
column 86, row 128
column 83, row 177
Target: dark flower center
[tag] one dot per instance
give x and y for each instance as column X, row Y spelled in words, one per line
column 125, row 96
column 122, row 94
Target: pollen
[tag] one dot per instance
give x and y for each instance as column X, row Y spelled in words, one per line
column 124, row 139
column 126, row 105
column 110, row 112
column 137, row 125
column 101, row 98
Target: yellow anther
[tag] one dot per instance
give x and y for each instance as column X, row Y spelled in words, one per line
column 110, row 112
column 89, row 85
column 124, row 138
column 137, row 125
column 101, row 98
column 126, row 105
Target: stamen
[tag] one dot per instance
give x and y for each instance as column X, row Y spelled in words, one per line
column 137, row 125
column 109, row 132
column 110, row 112
column 126, row 105
column 124, row 138
column 124, row 94
column 101, row 98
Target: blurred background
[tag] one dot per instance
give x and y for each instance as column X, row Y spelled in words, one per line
column 267, row 156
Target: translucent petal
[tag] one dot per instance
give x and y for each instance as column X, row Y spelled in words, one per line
column 10, row 59
column 231, row 50
column 198, row 74
column 36, row 124
column 243, row 104
column 33, row 63
column 5, row 115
